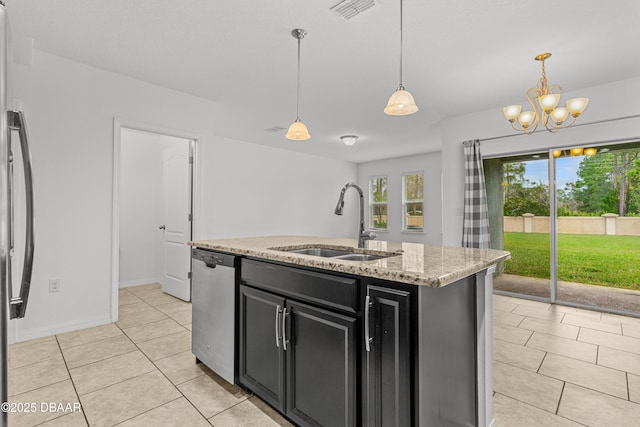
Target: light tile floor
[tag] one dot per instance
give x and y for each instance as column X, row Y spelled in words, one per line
column 553, row 366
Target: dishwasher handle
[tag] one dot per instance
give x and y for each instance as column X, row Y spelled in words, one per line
column 213, row 259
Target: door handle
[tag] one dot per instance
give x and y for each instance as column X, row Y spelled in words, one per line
column 367, row 336
column 18, row 305
column 162, row 227
column 285, row 341
column 278, row 312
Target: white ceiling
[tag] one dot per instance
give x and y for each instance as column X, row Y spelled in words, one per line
column 459, row 57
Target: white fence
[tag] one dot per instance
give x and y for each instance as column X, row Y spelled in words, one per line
column 609, row 224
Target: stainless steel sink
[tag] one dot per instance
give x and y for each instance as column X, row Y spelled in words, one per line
column 360, row 257
column 346, row 254
column 323, row 252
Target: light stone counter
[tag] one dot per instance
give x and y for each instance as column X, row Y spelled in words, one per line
column 412, row 263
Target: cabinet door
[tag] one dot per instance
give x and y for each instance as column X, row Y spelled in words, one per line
column 321, row 359
column 261, row 354
column 388, row 363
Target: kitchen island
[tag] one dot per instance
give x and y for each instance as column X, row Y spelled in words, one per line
column 390, row 334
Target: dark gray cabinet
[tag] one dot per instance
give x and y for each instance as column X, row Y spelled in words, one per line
column 321, row 367
column 387, row 377
column 299, row 357
column 262, row 363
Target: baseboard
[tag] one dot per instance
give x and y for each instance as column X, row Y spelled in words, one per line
column 60, row 328
column 131, row 283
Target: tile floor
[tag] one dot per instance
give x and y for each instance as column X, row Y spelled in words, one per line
column 553, row 366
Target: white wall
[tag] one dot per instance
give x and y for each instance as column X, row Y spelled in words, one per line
column 430, row 165
column 140, row 199
column 141, row 204
column 253, row 190
column 613, row 100
column 70, row 111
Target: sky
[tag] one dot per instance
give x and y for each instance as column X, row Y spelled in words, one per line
column 566, row 168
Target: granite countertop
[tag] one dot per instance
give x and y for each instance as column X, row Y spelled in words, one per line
column 412, row 263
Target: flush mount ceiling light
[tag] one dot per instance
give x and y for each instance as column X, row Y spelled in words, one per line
column 298, row 131
column 401, row 102
column 545, row 109
column 349, row 139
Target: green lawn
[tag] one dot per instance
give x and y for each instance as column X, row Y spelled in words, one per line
column 583, row 258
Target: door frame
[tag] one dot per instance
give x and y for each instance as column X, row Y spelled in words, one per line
column 118, row 125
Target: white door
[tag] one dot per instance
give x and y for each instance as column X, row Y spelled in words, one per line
column 177, row 224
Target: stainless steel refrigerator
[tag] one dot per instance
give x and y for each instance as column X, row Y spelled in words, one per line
column 16, row 211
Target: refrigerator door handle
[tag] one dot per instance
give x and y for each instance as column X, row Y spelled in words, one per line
column 18, row 305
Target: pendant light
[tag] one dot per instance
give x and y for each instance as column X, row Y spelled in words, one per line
column 298, row 130
column 401, row 102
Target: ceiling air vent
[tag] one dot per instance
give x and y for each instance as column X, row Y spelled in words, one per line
column 348, row 9
column 275, row 129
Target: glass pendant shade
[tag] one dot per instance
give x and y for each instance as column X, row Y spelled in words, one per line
column 298, row 131
column 576, row 151
column 577, row 105
column 526, row 118
column 591, row 151
column 401, row 103
column 559, row 115
column 548, row 102
column 557, row 153
column 511, row 112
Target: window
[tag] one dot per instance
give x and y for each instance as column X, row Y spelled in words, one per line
column 378, row 202
column 413, row 202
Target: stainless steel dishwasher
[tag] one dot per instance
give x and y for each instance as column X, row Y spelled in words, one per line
column 213, row 307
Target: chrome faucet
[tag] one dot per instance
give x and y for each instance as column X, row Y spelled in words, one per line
column 362, row 234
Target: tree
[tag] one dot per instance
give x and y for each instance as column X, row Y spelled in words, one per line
column 609, row 183
column 522, row 195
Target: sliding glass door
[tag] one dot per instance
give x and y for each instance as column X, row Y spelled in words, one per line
column 526, row 225
column 574, row 239
column 598, row 226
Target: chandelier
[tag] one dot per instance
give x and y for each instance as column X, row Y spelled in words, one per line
column 545, row 110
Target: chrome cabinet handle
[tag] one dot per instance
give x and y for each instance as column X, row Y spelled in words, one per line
column 278, row 312
column 18, row 304
column 284, row 329
column 162, row 227
column 367, row 337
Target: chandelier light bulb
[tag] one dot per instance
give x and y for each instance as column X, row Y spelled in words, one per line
column 548, row 102
column 559, row 115
column 511, row 112
column 526, row 118
column 577, row 105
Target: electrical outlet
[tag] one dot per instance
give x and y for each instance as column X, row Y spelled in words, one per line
column 54, row 285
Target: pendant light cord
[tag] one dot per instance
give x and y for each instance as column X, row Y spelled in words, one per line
column 400, row 44
column 298, row 87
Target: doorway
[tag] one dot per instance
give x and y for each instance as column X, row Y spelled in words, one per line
column 581, row 246
column 153, row 209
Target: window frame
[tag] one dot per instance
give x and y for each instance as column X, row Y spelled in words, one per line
column 372, row 203
column 405, row 228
